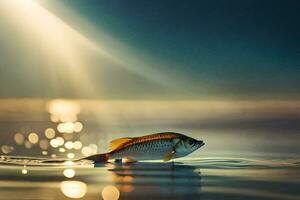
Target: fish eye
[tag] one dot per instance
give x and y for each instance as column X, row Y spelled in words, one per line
column 190, row 142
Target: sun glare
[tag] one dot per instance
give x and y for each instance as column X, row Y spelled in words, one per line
column 67, row 47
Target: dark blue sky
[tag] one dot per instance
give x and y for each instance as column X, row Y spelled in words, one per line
column 244, row 47
column 230, row 49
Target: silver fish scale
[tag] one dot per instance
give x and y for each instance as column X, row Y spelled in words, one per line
column 149, row 150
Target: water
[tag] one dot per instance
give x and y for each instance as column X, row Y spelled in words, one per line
column 258, row 160
column 207, row 178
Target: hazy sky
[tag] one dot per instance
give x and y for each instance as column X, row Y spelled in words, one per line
column 170, row 50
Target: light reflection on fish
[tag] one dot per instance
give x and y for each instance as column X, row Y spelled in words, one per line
column 159, row 146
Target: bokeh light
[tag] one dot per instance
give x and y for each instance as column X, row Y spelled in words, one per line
column 19, row 138
column 86, row 151
column 60, row 141
column 64, row 111
column 50, row 133
column 54, row 143
column 71, row 155
column 110, row 193
column 24, row 171
column 73, row 189
column 33, row 138
column 69, row 145
column 78, row 127
column 69, row 173
column 77, row 145
column 7, row 149
column 65, row 127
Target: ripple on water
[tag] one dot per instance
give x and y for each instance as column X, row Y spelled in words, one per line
column 204, row 163
column 190, row 178
column 241, row 163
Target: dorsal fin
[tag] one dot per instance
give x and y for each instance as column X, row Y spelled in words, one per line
column 114, row 144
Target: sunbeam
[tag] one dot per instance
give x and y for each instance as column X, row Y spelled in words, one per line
column 69, row 52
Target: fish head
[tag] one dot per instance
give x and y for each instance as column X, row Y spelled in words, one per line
column 187, row 145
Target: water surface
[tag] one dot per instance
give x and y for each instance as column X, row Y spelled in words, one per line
column 251, row 152
column 206, row 178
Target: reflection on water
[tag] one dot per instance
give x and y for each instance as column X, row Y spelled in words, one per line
column 164, row 180
column 69, row 173
column 241, row 160
column 207, row 178
column 73, row 189
column 24, row 170
column 110, row 192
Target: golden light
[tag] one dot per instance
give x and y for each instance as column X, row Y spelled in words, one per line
column 19, row 138
column 33, row 138
column 63, row 107
column 60, row 127
column 44, row 153
column 54, row 143
column 60, row 140
column 53, row 155
column 65, row 112
column 78, row 127
column 71, row 155
column 77, row 145
column 65, row 127
column 86, row 151
column 68, row 118
column 24, row 171
column 71, row 50
column 69, row 127
column 69, row 145
column 73, row 189
column 69, row 173
column 69, row 163
column 50, row 133
column 62, row 150
column 110, row 193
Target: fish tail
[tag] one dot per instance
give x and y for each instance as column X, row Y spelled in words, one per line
column 98, row 158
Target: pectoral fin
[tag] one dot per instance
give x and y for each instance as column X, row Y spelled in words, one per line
column 168, row 156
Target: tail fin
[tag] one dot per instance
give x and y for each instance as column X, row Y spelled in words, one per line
column 98, row 158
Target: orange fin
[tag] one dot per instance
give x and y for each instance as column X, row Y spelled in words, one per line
column 118, row 142
column 169, row 155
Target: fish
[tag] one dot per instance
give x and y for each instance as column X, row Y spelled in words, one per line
column 159, row 146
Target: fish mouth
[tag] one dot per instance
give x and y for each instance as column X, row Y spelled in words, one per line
column 201, row 143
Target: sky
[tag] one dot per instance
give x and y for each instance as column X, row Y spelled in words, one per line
column 151, row 49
